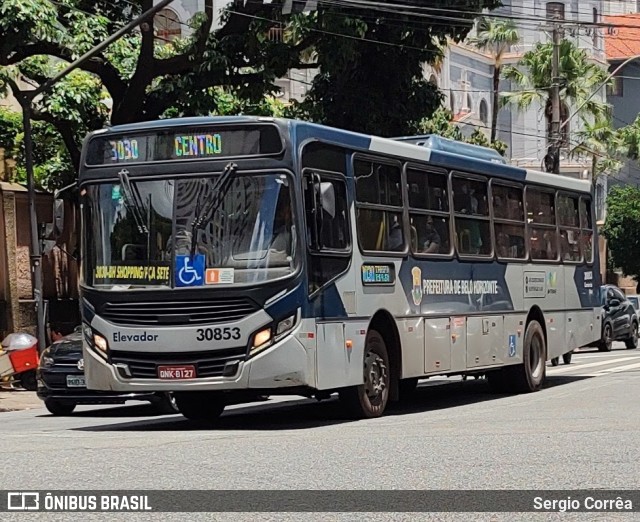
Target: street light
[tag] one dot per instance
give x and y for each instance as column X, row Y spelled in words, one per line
column 26, row 99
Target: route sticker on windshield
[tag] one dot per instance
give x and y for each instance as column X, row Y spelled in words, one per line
column 219, row 276
column 189, row 271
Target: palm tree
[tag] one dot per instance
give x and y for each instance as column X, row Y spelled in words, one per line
column 496, row 38
column 604, row 144
column 580, row 77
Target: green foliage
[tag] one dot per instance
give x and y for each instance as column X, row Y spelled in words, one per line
column 603, row 143
column 622, row 228
column 52, row 164
column 496, row 36
column 441, row 123
column 10, row 127
column 630, row 138
column 533, row 79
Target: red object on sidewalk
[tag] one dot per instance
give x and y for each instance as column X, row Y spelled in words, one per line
column 24, row 360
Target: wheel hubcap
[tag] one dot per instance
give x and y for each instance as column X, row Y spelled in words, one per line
column 375, row 376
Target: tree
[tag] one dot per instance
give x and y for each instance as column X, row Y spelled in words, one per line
column 622, row 228
column 599, row 140
column 630, row 138
column 52, row 164
column 580, row 77
column 371, row 61
column 496, row 37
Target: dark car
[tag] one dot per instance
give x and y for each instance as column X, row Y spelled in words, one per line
column 619, row 319
column 61, row 383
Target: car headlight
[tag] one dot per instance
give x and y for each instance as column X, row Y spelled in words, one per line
column 46, row 361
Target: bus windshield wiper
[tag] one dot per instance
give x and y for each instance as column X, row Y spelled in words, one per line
column 134, row 201
column 218, row 190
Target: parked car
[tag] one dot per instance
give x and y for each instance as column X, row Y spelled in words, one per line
column 61, row 382
column 635, row 301
column 619, row 319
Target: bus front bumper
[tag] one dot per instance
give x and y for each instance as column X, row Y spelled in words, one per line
column 287, row 363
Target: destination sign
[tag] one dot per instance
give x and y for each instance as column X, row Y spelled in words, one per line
column 184, row 144
column 378, row 274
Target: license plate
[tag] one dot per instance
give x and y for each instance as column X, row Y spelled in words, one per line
column 76, row 381
column 177, row 372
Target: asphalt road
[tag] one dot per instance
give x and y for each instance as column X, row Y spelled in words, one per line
column 581, row 431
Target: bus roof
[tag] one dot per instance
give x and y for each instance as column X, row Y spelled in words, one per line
column 431, row 148
column 436, row 142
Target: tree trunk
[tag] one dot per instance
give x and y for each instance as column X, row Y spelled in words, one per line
column 496, row 101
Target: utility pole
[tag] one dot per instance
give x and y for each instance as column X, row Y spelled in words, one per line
column 26, row 99
column 555, row 100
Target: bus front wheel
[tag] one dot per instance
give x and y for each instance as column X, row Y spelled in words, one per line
column 369, row 400
column 200, row 406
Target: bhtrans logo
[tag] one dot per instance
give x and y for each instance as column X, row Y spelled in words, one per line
column 61, row 502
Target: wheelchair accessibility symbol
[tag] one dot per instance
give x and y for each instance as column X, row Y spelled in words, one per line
column 189, row 271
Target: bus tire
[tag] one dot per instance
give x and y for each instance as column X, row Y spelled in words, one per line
column 567, row 357
column 529, row 376
column 555, row 361
column 369, row 400
column 200, row 406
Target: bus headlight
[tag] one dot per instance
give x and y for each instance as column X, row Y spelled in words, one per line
column 100, row 343
column 261, row 340
column 96, row 341
column 285, row 325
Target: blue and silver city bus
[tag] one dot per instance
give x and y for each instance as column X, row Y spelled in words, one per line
column 245, row 255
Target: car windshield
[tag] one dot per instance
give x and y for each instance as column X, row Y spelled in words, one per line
column 634, row 301
column 189, row 232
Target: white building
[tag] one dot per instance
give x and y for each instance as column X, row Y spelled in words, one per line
column 172, row 22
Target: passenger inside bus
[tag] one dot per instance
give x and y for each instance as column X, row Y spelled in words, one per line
column 395, row 240
column 432, row 239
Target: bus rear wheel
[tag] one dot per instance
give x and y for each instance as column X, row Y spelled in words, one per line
column 369, row 400
column 528, row 376
column 200, row 406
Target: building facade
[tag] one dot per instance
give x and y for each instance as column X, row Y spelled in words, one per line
column 624, row 95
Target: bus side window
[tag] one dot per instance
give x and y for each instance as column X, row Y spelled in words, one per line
column 472, row 225
column 429, row 211
column 379, row 213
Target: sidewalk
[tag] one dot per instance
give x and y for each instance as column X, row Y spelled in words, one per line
column 16, row 400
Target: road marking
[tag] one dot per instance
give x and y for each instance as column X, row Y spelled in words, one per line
column 617, row 369
column 569, row 368
column 601, row 355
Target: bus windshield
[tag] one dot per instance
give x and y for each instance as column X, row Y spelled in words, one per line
column 189, row 231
